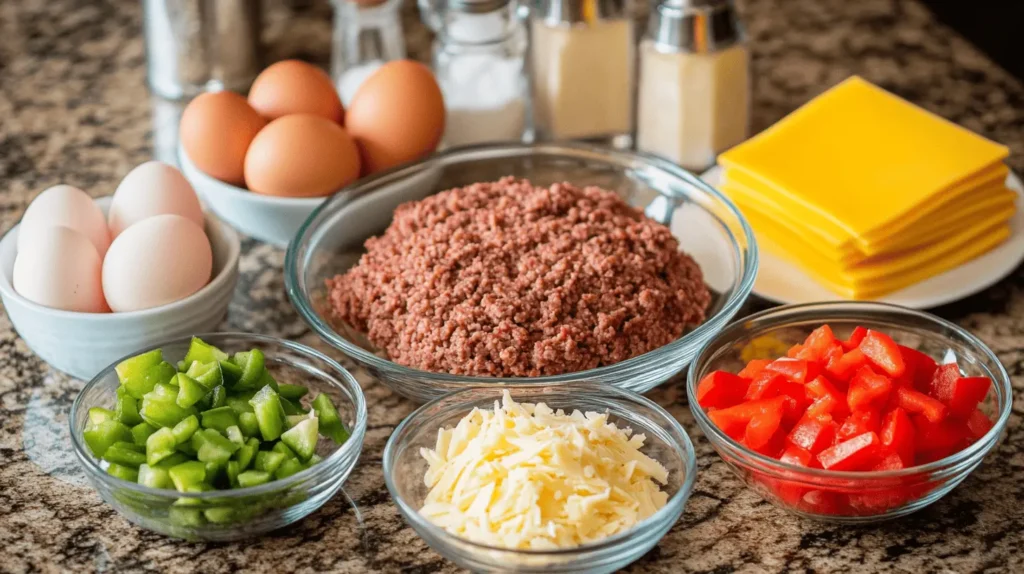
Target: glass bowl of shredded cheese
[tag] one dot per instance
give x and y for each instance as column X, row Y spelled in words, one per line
column 568, row 478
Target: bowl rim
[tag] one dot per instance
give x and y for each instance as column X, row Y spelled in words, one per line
column 577, row 150
column 675, row 503
column 241, row 193
column 354, row 443
column 223, row 276
column 778, row 317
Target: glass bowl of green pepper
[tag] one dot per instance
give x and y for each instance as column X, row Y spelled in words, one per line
column 221, row 436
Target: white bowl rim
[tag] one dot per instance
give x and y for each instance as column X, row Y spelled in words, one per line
column 240, row 193
column 215, row 284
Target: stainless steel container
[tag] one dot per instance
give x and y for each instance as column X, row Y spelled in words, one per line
column 194, row 46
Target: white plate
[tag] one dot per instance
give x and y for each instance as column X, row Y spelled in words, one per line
column 783, row 282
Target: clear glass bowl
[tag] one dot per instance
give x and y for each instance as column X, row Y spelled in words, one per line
column 245, row 512
column 851, row 497
column 709, row 227
column 667, row 442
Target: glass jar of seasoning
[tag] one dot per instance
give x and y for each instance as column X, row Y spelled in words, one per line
column 694, row 95
column 478, row 59
column 582, row 70
column 367, row 33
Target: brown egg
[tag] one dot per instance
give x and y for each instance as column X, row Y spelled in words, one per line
column 301, row 155
column 295, row 87
column 396, row 116
column 216, row 130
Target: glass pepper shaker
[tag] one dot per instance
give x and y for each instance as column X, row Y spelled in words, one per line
column 367, row 33
column 479, row 55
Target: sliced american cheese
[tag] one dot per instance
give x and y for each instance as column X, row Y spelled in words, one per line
column 525, row 476
column 863, row 158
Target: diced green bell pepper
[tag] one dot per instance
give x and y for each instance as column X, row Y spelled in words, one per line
column 267, row 379
column 288, row 467
column 269, row 414
column 291, row 408
column 188, row 474
column 216, row 398
column 139, row 383
column 200, row 350
column 154, row 477
column 127, row 409
column 160, row 445
column 292, row 420
column 232, row 469
column 252, row 363
column 219, row 418
column 268, row 460
column 330, row 422
column 215, row 448
column 248, row 424
column 186, row 516
column 252, row 478
column 234, row 435
column 208, row 374
column 185, row 428
column 119, row 454
column 187, row 448
column 123, row 472
column 220, row 514
column 283, row 449
column 172, row 461
column 291, row 392
column 246, row 453
column 231, row 372
column 101, row 436
column 160, row 408
column 240, row 401
column 141, row 432
column 189, row 391
column 100, row 414
column 302, row 438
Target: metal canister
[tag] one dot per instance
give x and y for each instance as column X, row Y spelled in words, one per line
column 557, row 12
column 698, row 26
column 194, row 46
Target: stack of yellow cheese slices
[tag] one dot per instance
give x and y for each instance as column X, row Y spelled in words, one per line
column 868, row 193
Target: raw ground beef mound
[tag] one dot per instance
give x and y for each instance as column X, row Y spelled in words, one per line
column 508, row 279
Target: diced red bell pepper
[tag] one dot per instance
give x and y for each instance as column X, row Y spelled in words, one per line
column 856, row 336
column 796, row 370
column 891, row 461
column 733, row 420
column 794, row 350
column 917, row 402
column 753, row 368
column 764, row 386
column 960, row 394
column 842, row 368
column 858, row 423
column 857, row 453
column 772, row 448
column 721, row 389
column 935, row 440
column 883, row 352
column 827, row 398
column 897, row 435
column 817, row 344
column 761, row 428
column 799, row 457
column 978, row 425
column 813, row 433
column 880, row 499
column 919, row 369
column 868, row 388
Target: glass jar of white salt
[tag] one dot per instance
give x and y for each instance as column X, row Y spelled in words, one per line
column 478, row 59
column 367, row 33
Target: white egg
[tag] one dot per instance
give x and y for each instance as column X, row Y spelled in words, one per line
column 153, row 188
column 70, row 207
column 159, row 260
column 60, row 268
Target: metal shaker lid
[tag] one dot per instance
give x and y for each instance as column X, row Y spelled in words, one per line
column 475, row 6
column 693, row 25
column 555, row 12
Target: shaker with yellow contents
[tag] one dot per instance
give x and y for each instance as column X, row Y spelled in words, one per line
column 694, row 94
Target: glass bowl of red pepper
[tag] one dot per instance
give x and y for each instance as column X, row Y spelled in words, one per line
column 849, row 411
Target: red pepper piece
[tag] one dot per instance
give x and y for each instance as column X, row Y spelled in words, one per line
column 858, row 423
column 917, row 402
column 937, row 440
column 842, row 368
column 868, row 388
column 813, row 433
column 978, row 425
column 856, row 336
column 919, row 369
column 960, row 394
column 721, row 389
column 798, row 456
column 898, row 435
column 817, row 344
column 942, row 380
column 796, row 370
column 762, row 427
column 891, row 461
column 883, row 352
column 827, row 398
column 753, row 368
column 794, row 351
column 857, row 453
column 733, row 420
column 764, row 386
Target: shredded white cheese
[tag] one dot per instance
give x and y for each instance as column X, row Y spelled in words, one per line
column 525, row 476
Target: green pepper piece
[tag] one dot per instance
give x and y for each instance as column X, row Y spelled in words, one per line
column 185, row 428
column 189, row 391
column 291, row 408
column 200, row 350
column 240, row 402
column 123, row 472
column 100, row 414
column 302, row 438
column 137, row 365
column 292, row 420
column 220, row 514
column 186, row 516
column 160, row 445
column 252, row 363
column 288, row 468
column 154, row 477
column 232, row 469
column 214, row 399
column 248, row 424
column 130, row 446
column 234, row 435
column 231, row 372
column 268, row 460
column 283, row 449
column 138, row 383
column 252, row 478
column 291, row 392
column 188, row 474
column 141, row 432
column 313, row 460
column 267, row 379
column 101, row 436
column 160, row 408
column 208, row 374
column 246, row 453
column 127, row 410
column 330, row 422
column 215, row 448
column 187, row 448
column 269, row 414
column 172, row 461
column 118, row 454
column 219, row 418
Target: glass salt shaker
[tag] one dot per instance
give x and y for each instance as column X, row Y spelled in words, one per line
column 367, row 33
column 479, row 55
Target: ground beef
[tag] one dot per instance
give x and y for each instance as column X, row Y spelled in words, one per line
column 508, row 279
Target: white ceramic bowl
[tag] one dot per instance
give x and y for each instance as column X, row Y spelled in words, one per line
column 273, row 220
column 82, row 344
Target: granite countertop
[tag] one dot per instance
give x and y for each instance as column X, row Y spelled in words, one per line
column 74, row 108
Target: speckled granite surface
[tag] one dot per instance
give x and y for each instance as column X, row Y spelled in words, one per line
column 74, row 108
